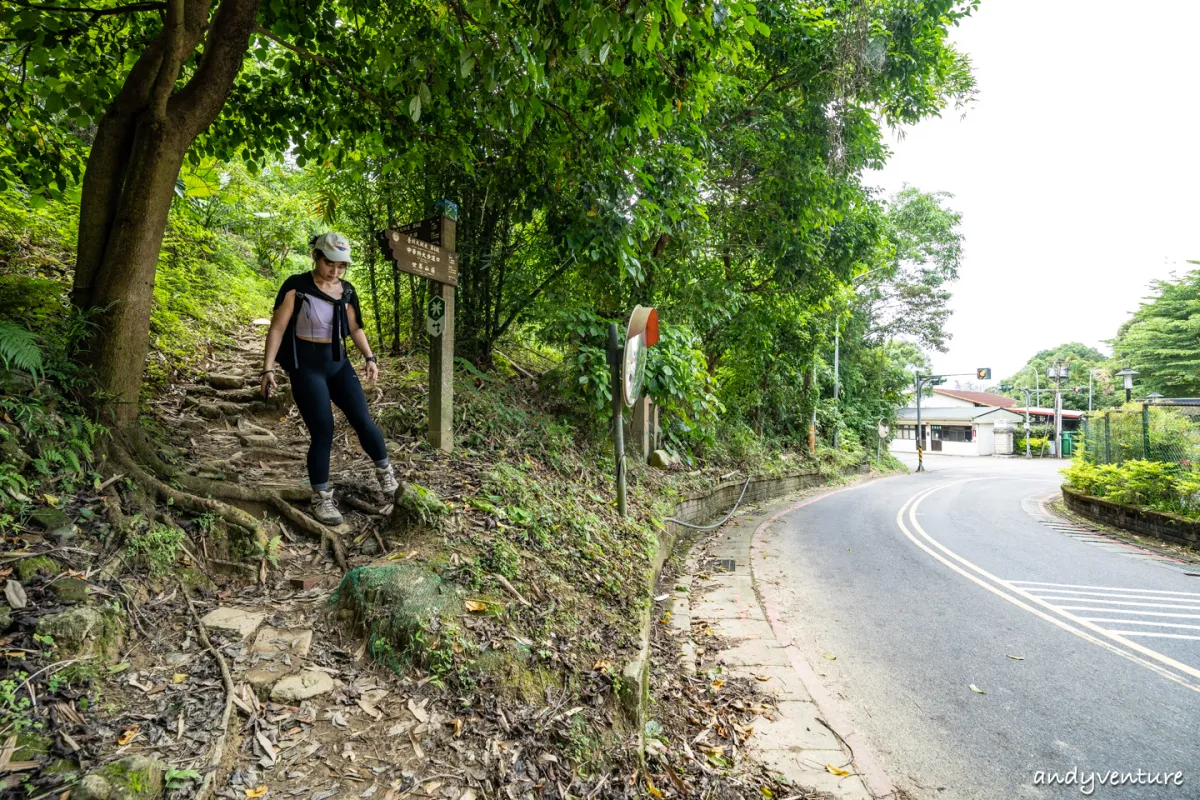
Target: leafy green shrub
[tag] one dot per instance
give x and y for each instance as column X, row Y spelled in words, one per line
column 677, row 379
column 1147, row 484
column 157, row 547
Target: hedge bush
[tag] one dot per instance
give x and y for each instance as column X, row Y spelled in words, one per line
column 1157, row 485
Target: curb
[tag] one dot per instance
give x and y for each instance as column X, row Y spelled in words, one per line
column 876, row 778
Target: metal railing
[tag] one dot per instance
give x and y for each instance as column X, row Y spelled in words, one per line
column 1166, row 430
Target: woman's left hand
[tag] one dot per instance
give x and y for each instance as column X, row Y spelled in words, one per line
column 372, row 372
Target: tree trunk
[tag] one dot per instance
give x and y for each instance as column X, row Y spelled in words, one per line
column 130, row 180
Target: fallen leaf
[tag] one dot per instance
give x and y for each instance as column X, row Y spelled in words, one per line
column 14, row 592
column 475, row 605
column 458, row 727
column 51, row 499
column 129, row 735
column 416, row 746
column 267, row 747
column 256, row 793
column 977, row 690
column 830, row 656
column 832, row 770
column 395, row 556
column 421, row 714
column 717, row 684
column 762, row 677
column 369, row 708
column 602, row 665
column 179, row 677
column 1017, row 658
column 339, row 720
column 661, row 597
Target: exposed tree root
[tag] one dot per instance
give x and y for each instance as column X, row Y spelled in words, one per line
column 275, row 498
column 191, row 502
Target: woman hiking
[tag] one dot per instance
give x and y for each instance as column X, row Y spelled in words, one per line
column 314, row 312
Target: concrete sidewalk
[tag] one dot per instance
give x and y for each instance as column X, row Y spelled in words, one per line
column 799, row 742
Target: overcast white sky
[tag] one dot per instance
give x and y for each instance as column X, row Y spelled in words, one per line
column 1077, row 171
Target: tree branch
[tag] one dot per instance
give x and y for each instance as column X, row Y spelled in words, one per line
column 131, row 8
column 173, row 58
column 525, row 304
column 335, row 67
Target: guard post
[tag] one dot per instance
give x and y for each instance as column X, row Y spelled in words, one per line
column 427, row 248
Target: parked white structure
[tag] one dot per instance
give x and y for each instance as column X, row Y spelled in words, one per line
column 953, row 430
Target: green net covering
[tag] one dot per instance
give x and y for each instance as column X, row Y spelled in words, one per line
column 403, row 607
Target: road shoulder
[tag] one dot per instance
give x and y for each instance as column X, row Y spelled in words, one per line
column 805, row 740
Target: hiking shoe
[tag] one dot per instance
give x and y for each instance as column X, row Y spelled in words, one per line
column 324, row 508
column 387, row 480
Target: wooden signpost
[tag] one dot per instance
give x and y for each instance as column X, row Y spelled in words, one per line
column 427, row 248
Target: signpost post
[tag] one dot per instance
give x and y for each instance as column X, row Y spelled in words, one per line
column 427, row 249
column 627, row 367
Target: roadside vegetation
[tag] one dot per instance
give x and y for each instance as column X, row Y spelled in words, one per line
column 161, row 170
column 1156, row 485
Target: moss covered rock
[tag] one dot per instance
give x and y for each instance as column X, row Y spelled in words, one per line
column 417, row 507
column 133, row 778
column 70, row 590
column 28, row 568
column 83, row 631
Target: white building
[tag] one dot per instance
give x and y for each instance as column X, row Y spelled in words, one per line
column 961, row 430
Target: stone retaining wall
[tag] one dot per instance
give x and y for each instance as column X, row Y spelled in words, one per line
column 1168, row 527
column 699, row 508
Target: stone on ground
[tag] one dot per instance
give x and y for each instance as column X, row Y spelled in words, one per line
column 308, row 684
column 661, row 459
column 417, row 507
column 258, row 440
column 273, row 641
column 239, row 620
column 133, row 778
column 226, row 381
column 82, row 631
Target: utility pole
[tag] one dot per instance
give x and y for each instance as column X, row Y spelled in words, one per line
column 837, row 334
column 920, row 429
column 1028, row 454
column 1056, row 372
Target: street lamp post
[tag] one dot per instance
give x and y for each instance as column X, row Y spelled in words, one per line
column 1128, row 374
column 1091, row 372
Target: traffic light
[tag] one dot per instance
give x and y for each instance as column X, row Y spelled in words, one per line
column 936, row 380
column 984, row 373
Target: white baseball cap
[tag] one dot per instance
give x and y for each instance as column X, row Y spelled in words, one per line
column 335, row 246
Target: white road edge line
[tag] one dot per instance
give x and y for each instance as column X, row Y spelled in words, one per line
column 911, row 506
column 1159, row 635
column 1106, row 588
column 1168, row 606
column 1108, row 610
column 1065, row 593
column 1145, row 622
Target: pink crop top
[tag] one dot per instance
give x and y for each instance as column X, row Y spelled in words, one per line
column 315, row 321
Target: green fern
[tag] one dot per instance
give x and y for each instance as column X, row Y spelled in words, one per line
column 19, row 348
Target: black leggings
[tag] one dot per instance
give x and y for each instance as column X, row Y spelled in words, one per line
column 318, row 381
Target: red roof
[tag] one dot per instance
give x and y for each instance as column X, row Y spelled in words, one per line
column 1049, row 412
column 979, row 398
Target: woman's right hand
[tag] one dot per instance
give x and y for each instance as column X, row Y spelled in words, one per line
column 268, row 384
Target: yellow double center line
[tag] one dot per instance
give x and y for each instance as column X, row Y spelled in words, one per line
column 1133, row 651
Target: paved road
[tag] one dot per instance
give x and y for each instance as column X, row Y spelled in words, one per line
column 921, row 585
